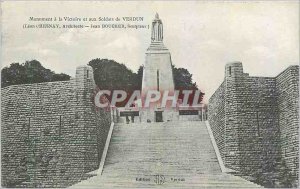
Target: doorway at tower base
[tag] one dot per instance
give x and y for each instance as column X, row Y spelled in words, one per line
column 158, row 115
column 139, row 115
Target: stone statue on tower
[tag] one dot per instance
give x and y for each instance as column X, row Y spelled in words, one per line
column 157, row 30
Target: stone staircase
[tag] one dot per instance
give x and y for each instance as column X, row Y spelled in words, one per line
column 169, row 154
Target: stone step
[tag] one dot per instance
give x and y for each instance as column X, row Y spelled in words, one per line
column 175, row 150
column 163, row 143
column 211, row 181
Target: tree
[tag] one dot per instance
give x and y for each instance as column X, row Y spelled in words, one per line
column 111, row 75
column 183, row 80
column 28, row 73
column 108, row 74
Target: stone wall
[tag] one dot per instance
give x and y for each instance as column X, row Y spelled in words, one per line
column 251, row 118
column 288, row 105
column 216, row 109
column 51, row 134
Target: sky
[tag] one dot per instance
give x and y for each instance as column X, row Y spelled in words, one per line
column 201, row 36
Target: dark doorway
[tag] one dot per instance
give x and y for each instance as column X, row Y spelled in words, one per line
column 158, row 116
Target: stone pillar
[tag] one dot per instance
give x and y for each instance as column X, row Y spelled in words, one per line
column 86, row 118
column 85, row 77
column 233, row 83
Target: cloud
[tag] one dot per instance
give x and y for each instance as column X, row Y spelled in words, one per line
column 68, row 37
column 124, row 41
column 262, row 52
column 35, row 48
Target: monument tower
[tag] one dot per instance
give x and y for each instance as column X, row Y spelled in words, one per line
column 158, row 66
column 157, row 74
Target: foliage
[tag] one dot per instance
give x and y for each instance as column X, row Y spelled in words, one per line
column 111, row 75
column 183, row 79
column 28, row 73
column 108, row 74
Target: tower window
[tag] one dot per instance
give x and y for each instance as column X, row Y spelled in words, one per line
column 28, row 128
column 87, row 74
column 59, row 131
column 157, row 75
column 229, row 70
column 258, row 126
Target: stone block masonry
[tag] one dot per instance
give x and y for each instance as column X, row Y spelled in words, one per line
column 255, row 120
column 288, row 106
column 51, row 133
column 218, row 102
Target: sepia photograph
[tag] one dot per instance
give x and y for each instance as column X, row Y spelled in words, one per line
column 150, row 94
